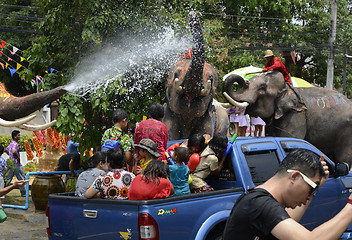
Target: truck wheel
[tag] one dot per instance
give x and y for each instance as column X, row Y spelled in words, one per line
column 216, row 232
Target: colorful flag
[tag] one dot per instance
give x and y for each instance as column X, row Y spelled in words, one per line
column 14, row 49
column 52, row 70
column 9, row 59
column 12, row 71
column 18, row 66
column 22, row 58
column 3, row 43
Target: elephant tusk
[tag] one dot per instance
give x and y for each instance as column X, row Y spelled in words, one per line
column 36, row 127
column 205, row 91
column 225, row 105
column 177, row 87
column 234, row 102
column 16, row 123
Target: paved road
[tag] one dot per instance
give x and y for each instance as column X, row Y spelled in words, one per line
column 20, row 229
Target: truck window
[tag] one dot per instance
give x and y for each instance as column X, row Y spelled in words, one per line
column 262, row 165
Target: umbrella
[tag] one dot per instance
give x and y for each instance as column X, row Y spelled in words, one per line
column 249, row 72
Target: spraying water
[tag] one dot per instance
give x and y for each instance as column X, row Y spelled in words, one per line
column 150, row 55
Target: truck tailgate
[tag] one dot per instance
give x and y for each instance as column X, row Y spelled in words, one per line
column 76, row 218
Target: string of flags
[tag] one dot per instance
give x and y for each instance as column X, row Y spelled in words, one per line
column 9, row 62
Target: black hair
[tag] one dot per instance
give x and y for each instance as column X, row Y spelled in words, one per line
column 196, row 139
column 97, row 157
column 302, row 160
column 182, row 154
column 119, row 115
column 1, row 149
column 155, row 111
column 115, row 157
column 155, row 169
column 14, row 134
column 218, row 143
column 76, row 157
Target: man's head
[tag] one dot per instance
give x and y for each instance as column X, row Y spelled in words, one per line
column 156, row 111
column 16, row 135
column 120, row 117
column 116, row 158
column 196, row 143
column 304, row 171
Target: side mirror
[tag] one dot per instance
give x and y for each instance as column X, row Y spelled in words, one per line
column 341, row 169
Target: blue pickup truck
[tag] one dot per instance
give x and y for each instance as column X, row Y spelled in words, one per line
column 200, row 216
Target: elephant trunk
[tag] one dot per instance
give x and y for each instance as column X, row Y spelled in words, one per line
column 12, row 108
column 193, row 81
column 228, row 92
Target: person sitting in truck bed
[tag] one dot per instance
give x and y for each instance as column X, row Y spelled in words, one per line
column 147, row 151
column 97, row 166
column 116, row 183
column 209, row 163
column 153, row 183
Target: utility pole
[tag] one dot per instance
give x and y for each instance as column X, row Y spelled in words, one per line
column 344, row 69
column 332, row 38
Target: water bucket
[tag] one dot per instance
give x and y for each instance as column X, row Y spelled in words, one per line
column 71, row 184
column 3, row 216
column 42, row 186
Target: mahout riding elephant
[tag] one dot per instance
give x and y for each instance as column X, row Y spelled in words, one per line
column 15, row 111
column 190, row 107
column 321, row 116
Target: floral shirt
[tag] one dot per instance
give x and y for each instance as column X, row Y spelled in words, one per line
column 13, row 147
column 114, row 185
column 115, row 133
column 3, row 166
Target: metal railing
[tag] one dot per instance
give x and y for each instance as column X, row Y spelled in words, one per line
column 26, row 206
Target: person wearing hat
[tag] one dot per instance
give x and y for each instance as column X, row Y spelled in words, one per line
column 147, row 151
column 274, row 63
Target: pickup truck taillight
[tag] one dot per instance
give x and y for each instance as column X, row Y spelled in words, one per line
column 47, row 213
column 148, row 228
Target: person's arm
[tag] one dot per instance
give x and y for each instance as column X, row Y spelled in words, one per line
column 71, row 166
column 276, row 65
column 16, row 184
column 16, row 155
column 289, row 229
column 90, row 193
column 221, row 163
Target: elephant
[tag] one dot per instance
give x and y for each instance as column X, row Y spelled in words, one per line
column 15, row 111
column 321, row 116
column 190, row 107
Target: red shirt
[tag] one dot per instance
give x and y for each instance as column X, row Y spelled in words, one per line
column 141, row 190
column 154, row 130
column 276, row 64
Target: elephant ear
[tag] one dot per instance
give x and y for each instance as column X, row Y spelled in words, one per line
column 288, row 100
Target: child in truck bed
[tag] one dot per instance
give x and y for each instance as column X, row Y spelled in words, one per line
column 179, row 172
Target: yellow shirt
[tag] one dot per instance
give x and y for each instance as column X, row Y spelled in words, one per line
column 144, row 163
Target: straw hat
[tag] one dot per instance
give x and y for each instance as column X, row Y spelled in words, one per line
column 148, row 145
column 269, row 53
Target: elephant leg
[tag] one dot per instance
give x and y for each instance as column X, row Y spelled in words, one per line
column 343, row 147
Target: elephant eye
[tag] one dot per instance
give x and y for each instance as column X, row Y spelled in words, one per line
column 262, row 87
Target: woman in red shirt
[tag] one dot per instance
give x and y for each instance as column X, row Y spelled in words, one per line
column 154, row 183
